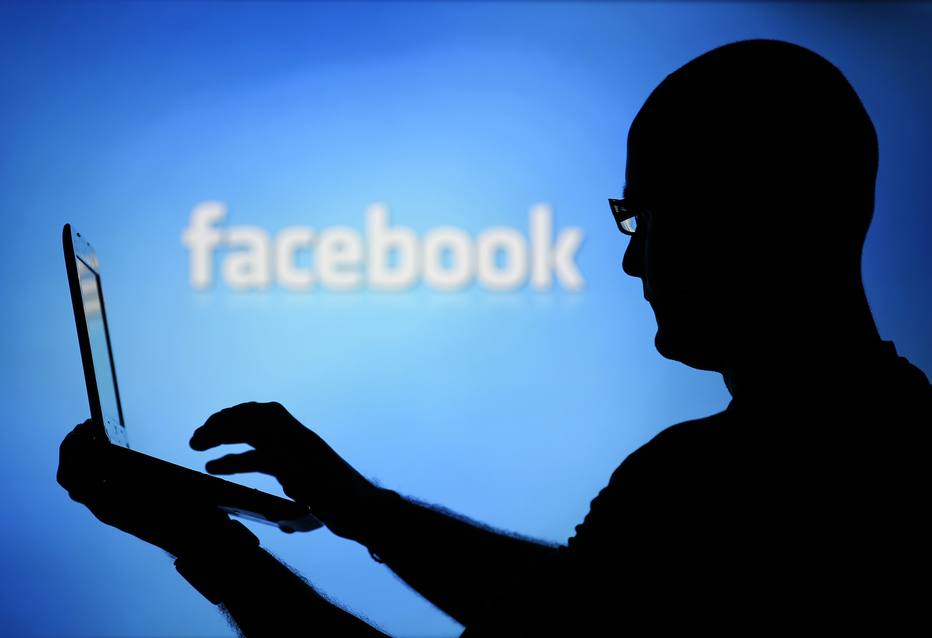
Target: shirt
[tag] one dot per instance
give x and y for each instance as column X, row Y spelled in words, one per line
column 803, row 510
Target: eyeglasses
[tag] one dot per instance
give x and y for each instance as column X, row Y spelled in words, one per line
column 625, row 216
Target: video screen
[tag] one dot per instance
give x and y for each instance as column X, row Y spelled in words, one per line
column 391, row 218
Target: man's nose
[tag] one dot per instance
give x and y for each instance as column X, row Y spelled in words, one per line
column 633, row 261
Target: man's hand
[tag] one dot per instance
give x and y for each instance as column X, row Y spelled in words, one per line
column 126, row 496
column 308, row 469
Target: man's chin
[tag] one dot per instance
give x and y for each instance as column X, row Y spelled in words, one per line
column 694, row 353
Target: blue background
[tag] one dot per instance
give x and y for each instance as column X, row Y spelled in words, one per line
column 512, row 408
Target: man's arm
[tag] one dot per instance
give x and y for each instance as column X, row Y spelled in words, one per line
column 263, row 597
column 457, row 565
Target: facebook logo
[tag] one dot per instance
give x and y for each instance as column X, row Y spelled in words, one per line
column 384, row 257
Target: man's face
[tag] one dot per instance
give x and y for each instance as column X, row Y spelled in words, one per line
column 689, row 260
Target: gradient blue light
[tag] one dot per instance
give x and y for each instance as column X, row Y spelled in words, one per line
column 510, row 408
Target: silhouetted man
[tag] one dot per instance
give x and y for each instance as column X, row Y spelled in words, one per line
column 801, row 508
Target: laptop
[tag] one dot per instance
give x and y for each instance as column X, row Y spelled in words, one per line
column 103, row 397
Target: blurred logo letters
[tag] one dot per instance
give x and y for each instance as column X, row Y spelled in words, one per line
column 384, row 258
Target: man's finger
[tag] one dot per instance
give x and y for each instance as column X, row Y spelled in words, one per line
column 251, row 461
column 251, row 423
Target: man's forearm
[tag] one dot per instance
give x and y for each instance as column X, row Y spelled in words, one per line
column 272, row 600
column 458, row 565
column 263, row 597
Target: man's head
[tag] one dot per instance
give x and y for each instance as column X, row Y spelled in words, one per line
column 755, row 164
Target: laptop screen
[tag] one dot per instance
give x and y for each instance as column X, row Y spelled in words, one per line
column 99, row 338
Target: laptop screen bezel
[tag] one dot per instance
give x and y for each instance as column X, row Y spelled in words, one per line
column 77, row 247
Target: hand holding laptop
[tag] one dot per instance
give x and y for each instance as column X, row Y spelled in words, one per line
column 308, row 469
column 120, row 492
column 84, row 282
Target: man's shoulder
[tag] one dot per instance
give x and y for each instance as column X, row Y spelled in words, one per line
column 677, row 446
column 640, row 489
column 700, row 431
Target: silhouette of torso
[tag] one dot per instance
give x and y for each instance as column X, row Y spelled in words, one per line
column 806, row 508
